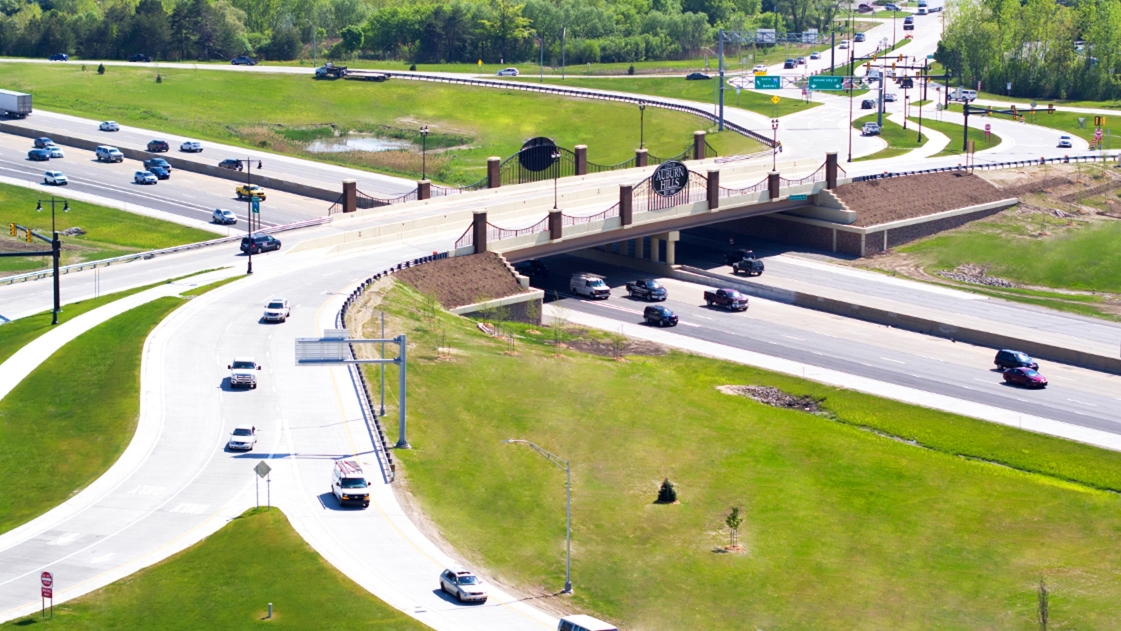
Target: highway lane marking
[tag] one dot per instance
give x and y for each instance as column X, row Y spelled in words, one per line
column 148, row 491
column 1082, row 402
column 66, row 539
column 886, row 359
column 101, row 559
column 188, row 508
column 794, row 338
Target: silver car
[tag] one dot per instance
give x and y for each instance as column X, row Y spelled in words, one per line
column 55, row 151
column 144, row 177
column 464, row 585
column 243, row 438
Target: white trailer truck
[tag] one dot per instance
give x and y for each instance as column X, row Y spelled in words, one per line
column 15, row 104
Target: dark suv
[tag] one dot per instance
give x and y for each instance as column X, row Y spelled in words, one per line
column 140, row 57
column 157, row 162
column 1006, row 359
column 659, row 316
column 789, row 64
column 230, row 163
column 158, row 146
column 259, row 243
column 532, row 268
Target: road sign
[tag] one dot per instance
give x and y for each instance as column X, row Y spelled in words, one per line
column 827, row 82
column 760, row 73
column 46, row 579
column 930, row 56
column 768, row 82
column 988, row 128
column 1097, row 135
column 775, row 100
column 262, row 468
column 255, row 204
column 48, row 592
column 798, row 198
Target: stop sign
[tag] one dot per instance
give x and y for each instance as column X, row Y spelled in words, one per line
column 46, row 579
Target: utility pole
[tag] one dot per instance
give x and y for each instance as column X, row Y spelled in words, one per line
column 564, row 41
column 720, row 64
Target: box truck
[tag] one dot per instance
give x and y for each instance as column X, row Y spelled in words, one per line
column 15, row 104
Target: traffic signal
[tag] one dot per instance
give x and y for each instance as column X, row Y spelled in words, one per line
column 1099, row 121
column 28, row 231
column 900, row 58
column 13, row 227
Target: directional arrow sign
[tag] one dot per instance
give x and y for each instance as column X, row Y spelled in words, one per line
column 262, row 469
column 827, row 82
column 768, row 83
column 255, row 204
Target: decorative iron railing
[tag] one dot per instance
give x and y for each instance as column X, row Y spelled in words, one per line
column 646, row 199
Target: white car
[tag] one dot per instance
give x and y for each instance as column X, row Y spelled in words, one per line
column 191, row 146
column 243, row 438
column 224, row 217
column 243, row 372
column 55, row 151
column 277, row 310
column 463, row 585
column 1065, row 143
column 144, row 177
column 110, row 126
column 889, row 98
column 55, row 178
column 508, row 72
column 815, row 55
column 760, row 68
column 844, row 44
column 870, row 129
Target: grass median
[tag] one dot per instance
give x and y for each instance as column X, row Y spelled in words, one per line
column 108, row 232
column 226, row 582
column 849, row 524
column 280, row 112
column 899, row 141
column 954, row 132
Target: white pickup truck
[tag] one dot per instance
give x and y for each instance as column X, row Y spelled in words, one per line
column 243, row 372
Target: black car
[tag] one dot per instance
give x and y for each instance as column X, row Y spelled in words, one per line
column 735, row 256
column 1014, row 359
column 59, row 57
column 43, row 142
column 659, row 316
column 157, row 162
column 39, row 155
column 531, row 268
column 867, row 104
column 697, row 76
column 243, row 60
column 789, row 64
column 140, row 57
column 158, row 146
column 160, row 172
column 231, row 163
column 259, row 243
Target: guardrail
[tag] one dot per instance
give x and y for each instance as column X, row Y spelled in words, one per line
column 128, row 258
column 989, row 166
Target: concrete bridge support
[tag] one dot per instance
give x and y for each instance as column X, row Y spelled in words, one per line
column 581, row 152
column 494, row 176
column 698, row 145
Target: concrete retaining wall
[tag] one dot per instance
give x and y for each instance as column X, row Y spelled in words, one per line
column 525, row 307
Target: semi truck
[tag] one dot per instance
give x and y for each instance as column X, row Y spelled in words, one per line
column 15, row 104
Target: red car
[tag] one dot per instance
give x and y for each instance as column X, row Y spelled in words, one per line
column 865, row 8
column 1025, row 377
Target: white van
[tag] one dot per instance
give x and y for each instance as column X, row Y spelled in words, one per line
column 105, row 153
column 959, row 94
column 589, row 285
column 580, row 622
column 349, row 485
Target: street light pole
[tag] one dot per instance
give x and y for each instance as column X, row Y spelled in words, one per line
column 56, row 252
column 556, row 174
column 642, row 124
column 249, row 197
column 563, row 464
column 424, row 152
column 774, row 145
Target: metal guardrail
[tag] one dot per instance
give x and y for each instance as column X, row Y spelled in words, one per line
column 128, row 258
column 989, row 166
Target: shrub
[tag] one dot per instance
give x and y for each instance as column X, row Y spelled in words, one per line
column 100, row 68
column 667, row 494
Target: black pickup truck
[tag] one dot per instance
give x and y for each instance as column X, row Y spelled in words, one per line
column 730, row 299
column 647, row 289
column 744, row 261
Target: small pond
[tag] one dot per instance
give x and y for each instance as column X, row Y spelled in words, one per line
column 357, row 143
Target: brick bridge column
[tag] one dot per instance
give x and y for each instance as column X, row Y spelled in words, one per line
column 641, row 157
column 773, row 184
column 350, row 196
column 698, row 145
column 479, row 230
column 713, row 189
column 494, row 178
column 581, row 152
column 831, row 170
column 424, row 189
column 556, row 225
column 626, row 212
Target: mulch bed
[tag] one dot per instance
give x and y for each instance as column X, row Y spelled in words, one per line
column 881, row 201
column 774, row 397
column 463, row 280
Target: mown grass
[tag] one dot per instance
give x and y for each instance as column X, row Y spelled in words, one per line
column 899, row 140
column 1062, row 121
column 954, row 131
column 199, row 103
column 226, row 582
column 109, row 232
column 844, row 529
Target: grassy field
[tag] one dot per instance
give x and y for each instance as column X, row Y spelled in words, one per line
column 845, row 529
column 899, row 140
column 226, row 582
column 109, row 232
column 954, row 131
column 478, row 122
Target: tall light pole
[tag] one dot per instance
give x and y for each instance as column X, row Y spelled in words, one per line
column 563, row 464
column 424, row 152
column 250, row 200
column 774, row 145
column 641, row 124
column 556, row 174
column 56, row 251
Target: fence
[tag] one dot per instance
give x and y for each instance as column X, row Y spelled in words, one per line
column 989, row 166
column 816, row 176
column 747, row 190
column 362, row 200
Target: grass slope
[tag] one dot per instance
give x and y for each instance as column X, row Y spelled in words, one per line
column 899, row 140
column 226, row 582
column 109, row 232
column 844, row 529
column 496, row 122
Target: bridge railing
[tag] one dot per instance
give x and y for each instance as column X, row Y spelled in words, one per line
column 990, row 166
column 747, row 190
column 575, row 220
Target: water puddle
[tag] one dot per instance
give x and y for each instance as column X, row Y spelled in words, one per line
column 357, row 143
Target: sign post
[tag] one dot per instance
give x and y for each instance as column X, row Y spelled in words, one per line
column 47, row 592
column 774, row 102
column 263, row 470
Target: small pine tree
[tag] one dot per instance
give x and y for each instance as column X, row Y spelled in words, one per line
column 100, row 68
column 159, row 78
column 630, row 69
column 667, row 494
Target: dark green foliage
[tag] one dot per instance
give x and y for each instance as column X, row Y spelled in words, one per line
column 667, row 494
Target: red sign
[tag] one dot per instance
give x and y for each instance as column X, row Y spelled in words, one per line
column 988, row 128
column 1098, row 134
column 48, row 592
column 46, row 579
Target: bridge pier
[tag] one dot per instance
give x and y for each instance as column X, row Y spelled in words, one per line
column 581, row 152
column 494, row 176
column 350, row 196
column 639, row 247
column 698, row 145
column 670, row 239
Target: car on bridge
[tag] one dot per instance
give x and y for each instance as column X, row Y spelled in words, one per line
column 1065, row 142
column 1025, row 377
column 158, row 146
column 464, row 586
column 39, row 155
column 223, row 217
column 507, row 72
column 648, row 289
column 277, row 310
column 589, row 286
column 1007, row 358
column 246, row 191
column 144, row 177
column 109, row 126
column 191, row 146
column 730, row 299
column 658, row 315
column 243, row 372
column 259, row 243
column 55, row 178
column 243, row 438
column 157, row 162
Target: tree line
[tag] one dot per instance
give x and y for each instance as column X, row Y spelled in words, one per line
column 1045, row 49
column 494, row 31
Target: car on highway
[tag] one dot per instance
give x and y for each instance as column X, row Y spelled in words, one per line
column 657, row 315
column 243, row 372
column 867, row 104
column 105, row 153
column 507, row 72
column 859, row 37
column 1007, row 358
column 348, row 483
column 144, row 177
column 243, row 438
column 870, row 129
column 745, row 261
column 158, row 146
column 109, row 126
column 697, row 76
column 157, row 162
column 815, row 55
column 844, row 44
column 231, row 163
column 160, row 173
column 243, row 60
column 581, row 622
column 864, row 8
column 259, row 243
column 223, row 216
column 59, row 57
column 39, row 155
column 532, row 268
column 759, row 68
column 277, row 310
column 139, row 58
column 55, row 151
column 1025, row 377
column 789, row 64
column 647, row 288
column 42, row 142
column 730, row 299
column 464, row 586
column 889, row 98
column 245, row 191
column 892, row 7
column 55, row 178
column 1065, row 142
column 801, row 61
column 191, row 146
column 589, row 286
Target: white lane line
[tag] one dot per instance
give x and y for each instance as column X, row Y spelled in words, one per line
column 791, row 337
column 102, row 558
column 1082, row 402
column 896, row 361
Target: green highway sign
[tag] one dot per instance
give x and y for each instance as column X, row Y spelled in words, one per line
column 827, row 82
column 255, row 204
column 798, row 198
column 768, row 82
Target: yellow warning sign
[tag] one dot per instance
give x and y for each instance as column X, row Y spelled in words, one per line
column 774, row 99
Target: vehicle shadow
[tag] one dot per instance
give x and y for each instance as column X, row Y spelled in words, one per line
column 448, row 598
column 227, row 387
column 330, row 502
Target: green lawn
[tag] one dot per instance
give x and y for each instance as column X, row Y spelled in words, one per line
column 899, row 140
column 476, row 122
column 109, row 232
column 954, row 131
column 845, row 529
column 226, row 582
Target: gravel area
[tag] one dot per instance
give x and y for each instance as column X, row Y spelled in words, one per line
column 881, row 201
column 774, row 397
column 975, row 275
column 463, row 280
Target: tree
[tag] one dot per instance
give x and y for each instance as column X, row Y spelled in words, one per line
column 353, row 38
column 667, row 494
column 507, row 26
column 100, row 68
column 734, row 521
column 284, row 45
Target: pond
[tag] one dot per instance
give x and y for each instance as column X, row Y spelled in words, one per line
column 357, row 143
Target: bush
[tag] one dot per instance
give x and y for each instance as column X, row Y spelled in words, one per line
column 630, row 69
column 285, row 45
column 100, row 68
column 667, row 494
column 159, row 79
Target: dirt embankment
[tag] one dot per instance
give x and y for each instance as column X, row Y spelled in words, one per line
column 463, row 280
column 881, row 201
